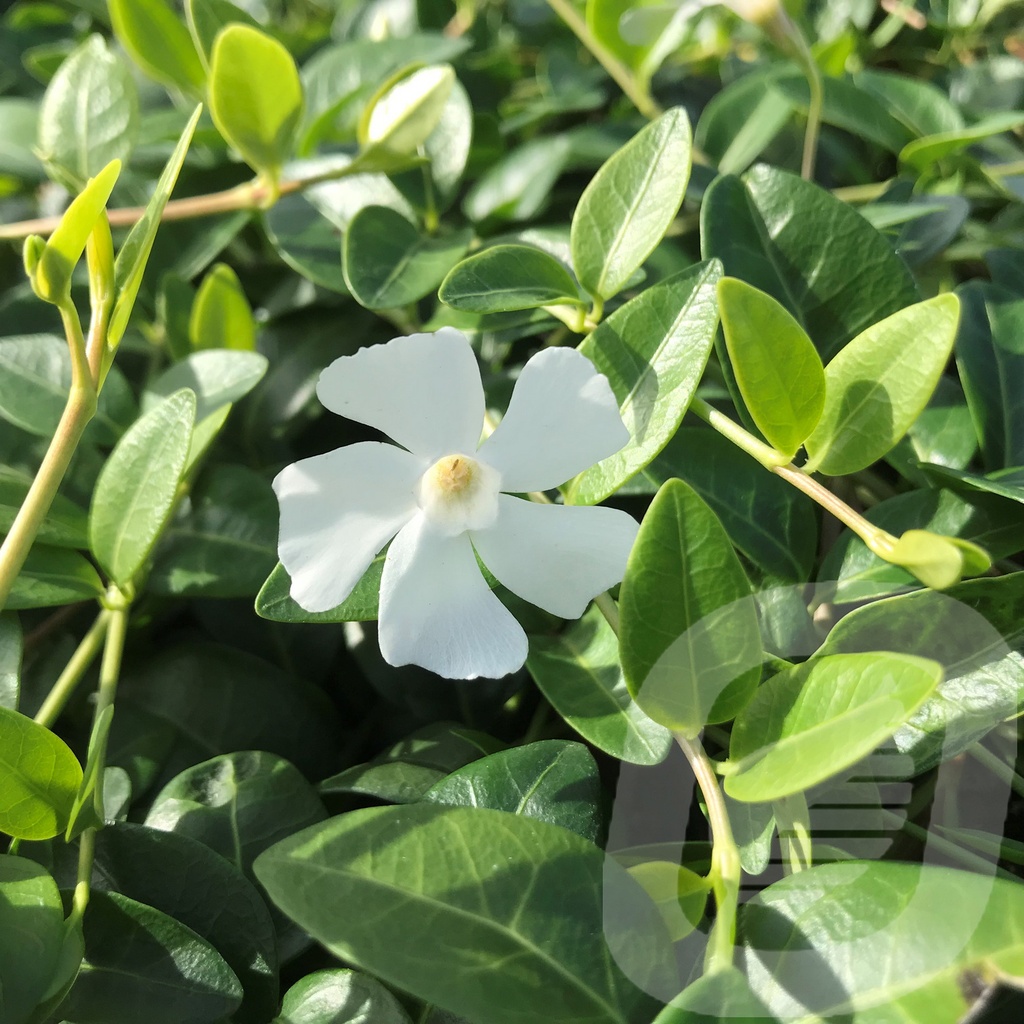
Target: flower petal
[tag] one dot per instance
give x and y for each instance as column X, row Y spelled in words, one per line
column 437, row 611
column 422, row 390
column 337, row 511
column 562, row 419
column 557, row 557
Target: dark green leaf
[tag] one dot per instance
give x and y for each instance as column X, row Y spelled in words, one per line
column 922, row 153
column 54, row 576
column 508, row 892
column 920, row 104
column 307, row 241
column 274, row 601
column 578, row 672
column 65, row 525
column 340, row 997
column 653, row 351
column 551, row 780
column 691, row 648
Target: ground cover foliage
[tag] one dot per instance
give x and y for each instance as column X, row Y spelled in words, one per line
column 773, row 775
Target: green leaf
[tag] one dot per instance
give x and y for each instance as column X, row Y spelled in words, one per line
column 405, row 110
column 920, row 104
column 156, row 39
column 306, row 240
column 679, row 894
column 757, row 227
column 506, row 277
column 134, row 253
column 811, row 721
column 54, row 576
column 691, row 648
column 504, row 889
column 722, row 996
column 40, row 778
column 879, row 383
column 274, row 601
column 769, row 521
column 11, row 648
column 83, row 811
column 221, row 314
column 973, row 631
column 1007, row 483
column 777, row 368
column 141, row 964
column 653, row 351
column 207, row 17
column 388, row 263
column 340, row 996
column 990, row 358
column 629, row 204
column 796, row 926
column 922, row 153
column 19, row 129
column 257, row 113
column 136, row 490
column 31, row 936
column 237, row 804
column 578, row 672
column 89, row 116
column 65, row 524
column 550, row 780
column 217, row 378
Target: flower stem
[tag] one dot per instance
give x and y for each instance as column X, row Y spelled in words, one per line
column 726, row 870
column 69, row 679
column 622, row 76
column 998, row 767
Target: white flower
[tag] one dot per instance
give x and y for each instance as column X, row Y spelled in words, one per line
column 442, row 494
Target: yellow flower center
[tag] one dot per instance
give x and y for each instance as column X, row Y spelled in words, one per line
column 459, row 493
column 452, row 475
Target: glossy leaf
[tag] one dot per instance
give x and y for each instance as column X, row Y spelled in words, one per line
column 221, row 314
column 506, row 277
column 578, row 672
column 518, row 186
column 307, row 241
column 550, row 780
column 920, row 104
column 406, row 109
column 31, row 935
column 340, row 996
column 809, row 722
column 54, row 576
column 506, row 880
column 800, row 924
column 11, row 648
column 777, row 368
column 40, row 778
column 629, row 204
column 258, row 114
column 388, row 263
column 157, row 40
column 722, row 996
column 89, row 115
column 922, row 153
column 141, row 964
column 274, row 601
column 879, row 383
column 757, row 227
column 237, row 804
column 134, row 253
column 653, row 351
column 136, row 491
column 691, row 648
column 216, row 378
column 65, row 525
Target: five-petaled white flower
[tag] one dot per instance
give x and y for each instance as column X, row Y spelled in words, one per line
column 442, row 495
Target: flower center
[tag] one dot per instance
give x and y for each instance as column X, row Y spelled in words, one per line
column 459, row 493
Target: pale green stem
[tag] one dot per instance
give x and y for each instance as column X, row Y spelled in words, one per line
column 998, row 767
column 816, row 106
column 62, row 690
column 621, row 75
column 726, row 869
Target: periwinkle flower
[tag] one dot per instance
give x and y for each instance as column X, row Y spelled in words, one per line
column 443, row 495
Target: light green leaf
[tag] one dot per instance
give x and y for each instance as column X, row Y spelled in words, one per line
column 405, row 110
column 505, row 890
column 811, row 721
column 653, row 351
column 691, row 647
column 83, row 811
column 207, row 17
column 578, row 672
column 258, row 112
column 136, row 490
column 89, row 116
column 54, row 576
column 141, row 964
column 40, row 778
column 797, row 925
column 65, row 524
column 506, row 277
column 340, row 996
column 387, row 262
column 629, row 204
column 679, row 894
column 221, row 314
column 777, row 368
column 879, row 383
column 134, row 253
column 922, row 153
column 714, row 998
column 153, row 34
column 274, row 601
column 215, row 377
column 31, row 936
